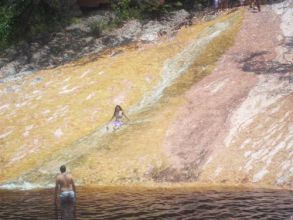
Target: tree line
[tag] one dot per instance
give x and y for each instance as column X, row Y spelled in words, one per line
column 28, row 19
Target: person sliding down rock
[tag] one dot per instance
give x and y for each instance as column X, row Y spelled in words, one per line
column 118, row 115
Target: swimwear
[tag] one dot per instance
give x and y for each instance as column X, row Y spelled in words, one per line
column 67, row 196
column 118, row 120
column 117, row 124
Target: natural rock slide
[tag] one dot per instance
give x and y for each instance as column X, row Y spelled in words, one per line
column 199, row 112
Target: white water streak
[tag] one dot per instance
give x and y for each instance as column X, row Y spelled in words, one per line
column 175, row 67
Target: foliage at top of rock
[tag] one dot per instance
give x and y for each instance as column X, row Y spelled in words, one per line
column 33, row 19
column 20, row 19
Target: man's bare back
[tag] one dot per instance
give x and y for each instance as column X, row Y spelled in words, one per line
column 65, row 186
column 65, row 181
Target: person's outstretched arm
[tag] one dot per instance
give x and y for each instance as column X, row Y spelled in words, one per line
column 125, row 116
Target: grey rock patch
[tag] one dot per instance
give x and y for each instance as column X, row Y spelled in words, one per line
column 130, row 30
column 151, row 31
column 38, row 80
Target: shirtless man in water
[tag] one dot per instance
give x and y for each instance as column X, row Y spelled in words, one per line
column 65, row 186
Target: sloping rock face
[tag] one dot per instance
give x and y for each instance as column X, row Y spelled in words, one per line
column 59, row 116
column 192, row 119
column 236, row 126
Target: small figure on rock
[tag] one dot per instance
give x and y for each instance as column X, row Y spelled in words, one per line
column 253, row 3
column 118, row 115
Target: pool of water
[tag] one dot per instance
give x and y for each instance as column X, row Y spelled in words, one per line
column 109, row 203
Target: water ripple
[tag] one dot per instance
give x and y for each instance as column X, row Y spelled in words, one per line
column 149, row 204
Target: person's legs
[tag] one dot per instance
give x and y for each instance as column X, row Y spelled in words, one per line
column 250, row 3
column 67, row 205
column 257, row 4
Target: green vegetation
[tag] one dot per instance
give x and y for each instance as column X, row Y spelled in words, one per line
column 129, row 9
column 28, row 19
column 139, row 9
column 124, row 10
column 97, row 27
column 24, row 19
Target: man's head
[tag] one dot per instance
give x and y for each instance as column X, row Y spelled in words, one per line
column 63, row 168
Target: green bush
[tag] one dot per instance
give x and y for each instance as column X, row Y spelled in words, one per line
column 139, row 9
column 97, row 27
column 124, row 9
column 6, row 23
column 25, row 19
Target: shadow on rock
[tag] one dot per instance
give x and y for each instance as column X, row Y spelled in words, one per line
column 289, row 42
column 257, row 63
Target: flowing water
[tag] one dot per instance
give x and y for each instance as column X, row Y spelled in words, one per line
column 161, row 203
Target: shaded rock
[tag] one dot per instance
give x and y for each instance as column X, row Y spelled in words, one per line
column 9, row 69
column 78, row 29
column 10, row 52
column 179, row 16
column 88, row 39
column 27, row 68
column 110, row 40
column 34, row 46
column 151, row 30
column 130, row 30
column 3, row 61
column 41, row 55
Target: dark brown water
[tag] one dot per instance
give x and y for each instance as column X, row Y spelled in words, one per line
column 150, row 204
